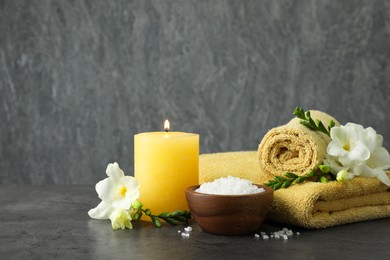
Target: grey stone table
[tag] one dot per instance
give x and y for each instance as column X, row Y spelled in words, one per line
column 51, row 222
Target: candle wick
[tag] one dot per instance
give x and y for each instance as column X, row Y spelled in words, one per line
column 166, row 130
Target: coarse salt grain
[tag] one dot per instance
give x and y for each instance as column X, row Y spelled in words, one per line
column 183, row 234
column 188, row 229
column 229, row 186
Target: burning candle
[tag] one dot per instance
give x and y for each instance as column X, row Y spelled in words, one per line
column 165, row 163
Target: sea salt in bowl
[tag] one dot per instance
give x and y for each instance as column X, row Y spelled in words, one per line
column 232, row 214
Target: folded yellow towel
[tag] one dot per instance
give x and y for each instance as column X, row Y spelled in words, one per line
column 240, row 164
column 293, row 147
column 310, row 204
column 321, row 205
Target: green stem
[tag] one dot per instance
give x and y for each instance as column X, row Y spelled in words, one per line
column 173, row 218
column 322, row 175
column 309, row 122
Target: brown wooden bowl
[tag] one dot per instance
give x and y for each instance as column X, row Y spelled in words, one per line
column 229, row 214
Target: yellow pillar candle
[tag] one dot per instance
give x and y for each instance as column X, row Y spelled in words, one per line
column 165, row 163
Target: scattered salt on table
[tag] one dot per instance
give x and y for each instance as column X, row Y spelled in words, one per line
column 186, row 232
column 285, row 233
column 229, row 186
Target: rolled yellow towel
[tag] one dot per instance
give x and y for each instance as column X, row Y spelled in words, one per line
column 310, row 204
column 293, row 147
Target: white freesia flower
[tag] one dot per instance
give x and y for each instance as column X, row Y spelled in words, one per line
column 116, row 192
column 358, row 151
column 120, row 219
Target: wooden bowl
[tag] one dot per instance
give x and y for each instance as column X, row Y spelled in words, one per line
column 229, row 214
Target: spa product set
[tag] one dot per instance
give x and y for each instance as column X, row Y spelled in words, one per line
column 311, row 172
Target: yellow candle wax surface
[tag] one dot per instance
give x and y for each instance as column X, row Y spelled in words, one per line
column 165, row 163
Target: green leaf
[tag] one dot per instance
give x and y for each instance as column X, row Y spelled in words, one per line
column 187, row 214
column 331, row 124
column 321, row 127
column 181, row 218
column 171, row 221
column 137, row 215
column 307, row 115
column 280, row 178
column 324, row 168
column 272, row 182
column 312, row 123
column 164, row 215
column 175, row 213
column 156, row 221
column 277, row 186
column 307, row 124
column 286, row 184
column 300, row 179
column 291, row 175
column 298, row 112
column 310, row 173
column 323, row 179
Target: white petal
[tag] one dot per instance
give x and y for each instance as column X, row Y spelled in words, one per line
column 352, row 133
column 102, row 211
column 335, row 149
column 132, row 192
column 123, row 203
column 120, row 218
column 382, row 176
column 133, row 196
column 337, row 134
column 373, row 140
column 106, row 189
column 113, row 170
column 359, row 152
column 379, row 158
column 131, row 183
column 353, row 130
column 364, row 170
column 347, row 162
column 360, row 169
column 334, row 164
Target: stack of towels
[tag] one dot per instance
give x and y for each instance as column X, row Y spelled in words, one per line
column 295, row 148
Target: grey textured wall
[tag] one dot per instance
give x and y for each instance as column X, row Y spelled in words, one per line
column 79, row 78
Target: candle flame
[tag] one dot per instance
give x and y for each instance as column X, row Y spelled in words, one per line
column 166, row 125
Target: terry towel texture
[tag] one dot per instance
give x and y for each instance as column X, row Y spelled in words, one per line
column 240, row 164
column 322, row 205
column 310, row 205
column 293, row 147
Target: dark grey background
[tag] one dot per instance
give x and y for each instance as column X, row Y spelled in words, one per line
column 79, row 78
